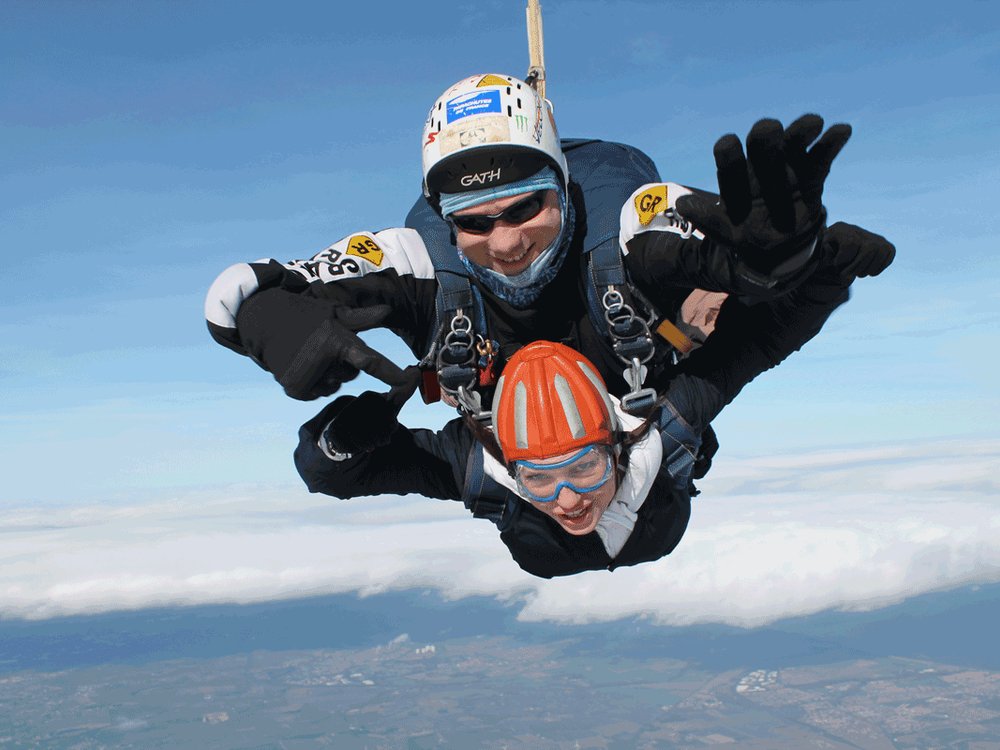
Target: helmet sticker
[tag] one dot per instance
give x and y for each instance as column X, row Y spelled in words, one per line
column 488, row 129
column 537, row 134
column 492, row 80
column 651, row 202
column 475, row 103
column 363, row 246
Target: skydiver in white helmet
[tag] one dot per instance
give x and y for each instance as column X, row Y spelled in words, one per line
column 574, row 241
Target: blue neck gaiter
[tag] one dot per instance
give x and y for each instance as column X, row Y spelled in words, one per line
column 526, row 287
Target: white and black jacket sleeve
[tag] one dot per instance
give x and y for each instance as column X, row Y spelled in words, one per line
column 365, row 269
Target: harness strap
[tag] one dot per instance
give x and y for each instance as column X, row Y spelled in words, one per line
column 606, row 267
column 459, row 329
column 461, row 343
column 611, row 308
column 454, row 290
column 680, row 447
column 482, row 495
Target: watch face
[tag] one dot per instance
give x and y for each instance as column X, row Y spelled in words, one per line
column 330, row 451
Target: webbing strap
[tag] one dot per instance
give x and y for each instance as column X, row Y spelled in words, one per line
column 675, row 336
column 680, row 446
column 606, row 267
column 483, row 495
column 454, row 293
column 612, row 309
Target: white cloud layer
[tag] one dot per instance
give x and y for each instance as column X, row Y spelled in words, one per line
column 769, row 538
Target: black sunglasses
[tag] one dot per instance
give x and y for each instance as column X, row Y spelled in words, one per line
column 520, row 212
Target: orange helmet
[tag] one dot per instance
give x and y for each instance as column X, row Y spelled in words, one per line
column 549, row 401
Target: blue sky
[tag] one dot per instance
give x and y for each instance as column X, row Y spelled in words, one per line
column 147, row 146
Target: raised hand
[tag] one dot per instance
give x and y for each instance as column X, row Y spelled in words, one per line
column 771, row 200
column 311, row 346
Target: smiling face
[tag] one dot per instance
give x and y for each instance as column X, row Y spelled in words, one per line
column 509, row 248
column 576, row 512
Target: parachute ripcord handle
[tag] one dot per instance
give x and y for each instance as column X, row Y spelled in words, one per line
column 536, row 48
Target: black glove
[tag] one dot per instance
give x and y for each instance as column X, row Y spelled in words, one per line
column 366, row 422
column 771, row 206
column 309, row 344
column 852, row 252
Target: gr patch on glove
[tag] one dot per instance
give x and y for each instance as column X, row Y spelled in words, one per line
column 771, row 200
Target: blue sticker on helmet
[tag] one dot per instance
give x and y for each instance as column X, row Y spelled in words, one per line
column 476, row 103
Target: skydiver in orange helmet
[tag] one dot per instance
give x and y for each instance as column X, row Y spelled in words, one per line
column 572, row 481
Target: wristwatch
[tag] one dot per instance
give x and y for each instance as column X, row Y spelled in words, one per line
column 328, row 448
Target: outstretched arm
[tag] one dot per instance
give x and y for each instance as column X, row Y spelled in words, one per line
column 751, row 338
column 395, row 460
column 299, row 320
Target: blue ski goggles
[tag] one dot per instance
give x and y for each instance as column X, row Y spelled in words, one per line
column 586, row 471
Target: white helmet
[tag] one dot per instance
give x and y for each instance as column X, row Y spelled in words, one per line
column 488, row 130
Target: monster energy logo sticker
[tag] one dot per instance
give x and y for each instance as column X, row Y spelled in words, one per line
column 521, row 122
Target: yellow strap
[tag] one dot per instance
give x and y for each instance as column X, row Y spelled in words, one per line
column 675, row 336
